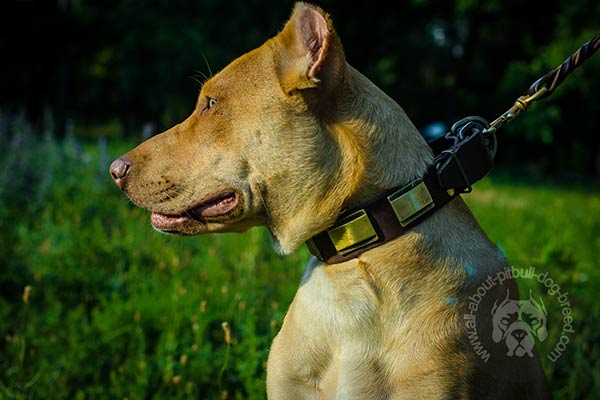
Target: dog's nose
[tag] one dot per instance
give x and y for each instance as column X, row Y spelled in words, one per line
column 519, row 334
column 119, row 170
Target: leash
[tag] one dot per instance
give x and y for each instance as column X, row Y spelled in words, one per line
column 462, row 157
column 546, row 85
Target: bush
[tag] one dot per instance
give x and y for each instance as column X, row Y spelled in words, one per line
column 95, row 304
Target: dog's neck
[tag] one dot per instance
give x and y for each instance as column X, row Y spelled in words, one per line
column 378, row 149
column 380, row 146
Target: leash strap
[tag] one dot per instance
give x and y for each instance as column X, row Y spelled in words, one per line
column 555, row 77
column 545, row 86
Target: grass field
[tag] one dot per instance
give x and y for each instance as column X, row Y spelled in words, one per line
column 96, row 305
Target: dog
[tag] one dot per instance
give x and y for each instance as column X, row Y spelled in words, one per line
column 518, row 323
column 289, row 136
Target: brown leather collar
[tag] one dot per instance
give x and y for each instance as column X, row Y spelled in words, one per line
column 458, row 164
column 380, row 221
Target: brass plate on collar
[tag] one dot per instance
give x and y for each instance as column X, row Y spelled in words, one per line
column 410, row 202
column 357, row 232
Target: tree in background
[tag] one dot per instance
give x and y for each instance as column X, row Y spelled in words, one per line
column 134, row 62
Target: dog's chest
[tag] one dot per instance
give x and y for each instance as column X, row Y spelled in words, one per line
column 330, row 339
column 336, row 301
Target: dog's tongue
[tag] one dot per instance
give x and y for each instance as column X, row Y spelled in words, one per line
column 217, row 205
column 214, row 206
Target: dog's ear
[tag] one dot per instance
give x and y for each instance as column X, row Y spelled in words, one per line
column 311, row 54
column 542, row 332
column 540, row 306
column 496, row 328
column 496, row 305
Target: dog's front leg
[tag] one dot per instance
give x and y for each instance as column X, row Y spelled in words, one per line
column 283, row 382
column 300, row 357
column 325, row 347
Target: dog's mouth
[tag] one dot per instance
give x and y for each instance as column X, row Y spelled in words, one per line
column 217, row 207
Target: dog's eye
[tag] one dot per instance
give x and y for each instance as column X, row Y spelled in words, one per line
column 208, row 103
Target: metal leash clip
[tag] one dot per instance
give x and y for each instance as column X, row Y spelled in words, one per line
column 521, row 105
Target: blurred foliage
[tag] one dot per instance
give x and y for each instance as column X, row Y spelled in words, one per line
column 142, row 62
column 554, row 228
column 95, row 304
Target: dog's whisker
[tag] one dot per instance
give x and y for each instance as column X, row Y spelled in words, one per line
column 207, row 64
column 198, row 81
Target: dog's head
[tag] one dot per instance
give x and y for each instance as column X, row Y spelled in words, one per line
column 281, row 137
column 518, row 323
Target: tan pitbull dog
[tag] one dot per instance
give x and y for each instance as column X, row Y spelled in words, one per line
column 288, row 136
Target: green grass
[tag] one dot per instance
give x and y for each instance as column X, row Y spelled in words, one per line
column 95, row 304
column 554, row 227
